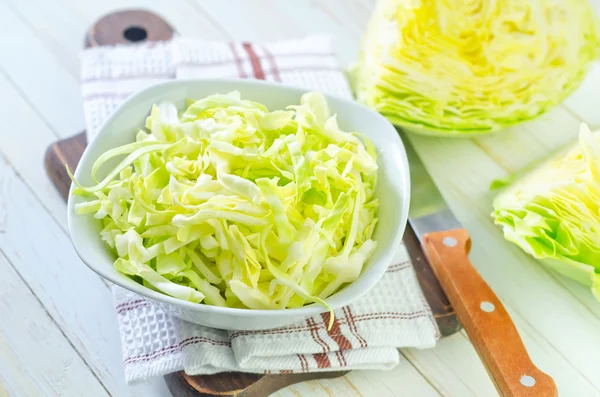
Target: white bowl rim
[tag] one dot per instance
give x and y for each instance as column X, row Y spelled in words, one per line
column 366, row 283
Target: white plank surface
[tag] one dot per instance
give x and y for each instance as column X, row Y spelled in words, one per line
column 583, row 103
column 25, row 331
column 27, row 160
column 44, row 82
column 76, row 298
column 75, row 325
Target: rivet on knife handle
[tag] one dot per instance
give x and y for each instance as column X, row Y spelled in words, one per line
column 484, row 318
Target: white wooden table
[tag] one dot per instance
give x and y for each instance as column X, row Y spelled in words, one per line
column 58, row 330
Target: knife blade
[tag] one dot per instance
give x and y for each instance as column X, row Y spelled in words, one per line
column 446, row 244
column 428, row 210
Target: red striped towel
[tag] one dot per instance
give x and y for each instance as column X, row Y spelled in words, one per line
column 365, row 335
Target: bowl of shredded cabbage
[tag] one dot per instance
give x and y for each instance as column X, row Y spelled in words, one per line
column 241, row 204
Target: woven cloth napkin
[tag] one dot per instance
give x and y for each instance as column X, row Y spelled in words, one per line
column 365, row 335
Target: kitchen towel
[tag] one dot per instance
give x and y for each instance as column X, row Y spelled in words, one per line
column 365, row 335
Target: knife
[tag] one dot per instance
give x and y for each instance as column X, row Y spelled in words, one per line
column 446, row 246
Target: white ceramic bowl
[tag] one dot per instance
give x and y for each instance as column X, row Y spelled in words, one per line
column 393, row 191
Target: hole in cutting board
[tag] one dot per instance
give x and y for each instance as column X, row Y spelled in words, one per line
column 135, row 33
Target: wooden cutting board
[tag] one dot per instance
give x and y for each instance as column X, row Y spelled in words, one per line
column 138, row 25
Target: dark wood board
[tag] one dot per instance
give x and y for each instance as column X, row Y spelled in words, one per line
column 137, row 25
column 235, row 384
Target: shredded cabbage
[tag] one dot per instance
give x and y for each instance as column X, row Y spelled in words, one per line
column 470, row 67
column 232, row 205
column 553, row 211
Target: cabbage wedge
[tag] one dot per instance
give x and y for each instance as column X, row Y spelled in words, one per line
column 553, row 211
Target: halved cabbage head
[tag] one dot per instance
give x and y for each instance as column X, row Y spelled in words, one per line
column 463, row 67
column 553, row 211
column 232, row 205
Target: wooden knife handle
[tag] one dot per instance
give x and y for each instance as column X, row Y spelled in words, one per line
column 485, row 319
